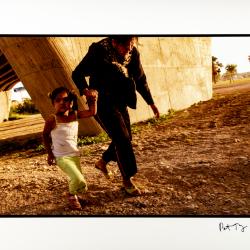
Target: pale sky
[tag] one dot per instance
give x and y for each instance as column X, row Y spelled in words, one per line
column 19, row 96
column 232, row 50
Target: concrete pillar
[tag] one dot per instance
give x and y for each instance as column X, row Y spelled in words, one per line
column 4, row 105
column 38, row 62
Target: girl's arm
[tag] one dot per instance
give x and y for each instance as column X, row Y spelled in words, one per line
column 49, row 125
column 92, row 103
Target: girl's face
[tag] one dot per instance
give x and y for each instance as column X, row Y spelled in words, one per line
column 62, row 103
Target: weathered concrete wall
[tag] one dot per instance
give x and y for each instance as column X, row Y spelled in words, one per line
column 178, row 70
column 4, row 105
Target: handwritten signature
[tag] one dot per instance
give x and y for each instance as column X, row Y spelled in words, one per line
column 235, row 226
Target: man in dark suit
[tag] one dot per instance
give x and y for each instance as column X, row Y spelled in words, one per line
column 114, row 67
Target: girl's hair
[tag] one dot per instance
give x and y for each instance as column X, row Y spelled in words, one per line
column 71, row 94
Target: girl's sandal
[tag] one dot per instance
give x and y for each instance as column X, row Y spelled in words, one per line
column 74, row 202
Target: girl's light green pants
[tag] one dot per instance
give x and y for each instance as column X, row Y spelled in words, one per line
column 71, row 166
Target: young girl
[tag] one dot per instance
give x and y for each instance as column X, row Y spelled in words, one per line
column 60, row 139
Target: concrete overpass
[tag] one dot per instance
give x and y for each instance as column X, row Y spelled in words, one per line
column 178, row 69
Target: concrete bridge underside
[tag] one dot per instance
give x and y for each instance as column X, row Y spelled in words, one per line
column 178, row 70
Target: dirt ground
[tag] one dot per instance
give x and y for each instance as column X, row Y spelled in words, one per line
column 196, row 163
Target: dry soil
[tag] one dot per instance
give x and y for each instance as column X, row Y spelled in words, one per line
column 196, row 163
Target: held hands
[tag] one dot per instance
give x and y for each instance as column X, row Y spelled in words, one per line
column 90, row 94
column 155, row 110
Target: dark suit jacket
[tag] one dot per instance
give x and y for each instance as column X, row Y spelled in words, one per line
column 111, row 83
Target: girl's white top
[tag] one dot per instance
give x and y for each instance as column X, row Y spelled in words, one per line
column 64, row 139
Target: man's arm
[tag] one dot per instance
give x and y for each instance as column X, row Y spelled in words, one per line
column 141, row 81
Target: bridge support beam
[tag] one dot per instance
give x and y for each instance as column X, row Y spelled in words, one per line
column 38, row 63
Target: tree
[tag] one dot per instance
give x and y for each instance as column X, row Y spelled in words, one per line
column 216, row 69
column 231, row 71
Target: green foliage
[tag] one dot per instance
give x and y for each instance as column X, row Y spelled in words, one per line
column 137, row 127
column 231, row 71
column 216, row 69
column 162, row 118
column 40, row 148
column 27, row 107
column 87, row 140
column 232, row 68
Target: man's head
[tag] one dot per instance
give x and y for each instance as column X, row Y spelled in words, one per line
column 123, row 43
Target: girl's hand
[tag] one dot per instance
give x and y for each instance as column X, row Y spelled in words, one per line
column 51, row 159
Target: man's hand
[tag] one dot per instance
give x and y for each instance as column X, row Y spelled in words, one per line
column 155, row 110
